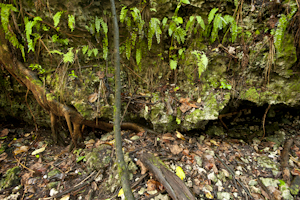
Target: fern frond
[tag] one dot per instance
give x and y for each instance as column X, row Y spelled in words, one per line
column 69, row 56
column 97, row 24
column 71, row 22
column 189, row 23
column 56, row 18
column 128, row 48
column 123, row 14
column 283, row 22
column 138, row 56
column 212, row 14
column 201, row 22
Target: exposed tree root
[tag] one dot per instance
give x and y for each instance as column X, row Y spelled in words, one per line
column 48, row 101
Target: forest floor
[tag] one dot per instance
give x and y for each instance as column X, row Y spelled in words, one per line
column 212, row 167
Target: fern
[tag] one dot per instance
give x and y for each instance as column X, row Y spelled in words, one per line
column 173, row 64
column 71, row 22
column 57, row 52
column 212, row 14
column 28, row 32
column 154, row 29
column 189, row 23
column 164, row 22
column 180, row 34
column 123, row 14
column 56, row 18
column 11, row 36
column 69, row 56
column 201, row 22
column 280, row 32
column 138, row 56
column 84, row 49
column 202, row 61
column 218, row 25
column 97, row 24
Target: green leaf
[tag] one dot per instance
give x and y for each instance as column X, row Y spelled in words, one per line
column 281, row 28
column 123, row 14
column 138, row 56
column 69, row 56
column 178, row 20
column 97, row 24
column 80, row 158
column 201, row 22
column 189, row 23
column 185, row 1
column 56, row 51
column 71, row 22
column 212, row 14
column 56, row 18
column 164, row 22
column 95, row 51
column 173, row 64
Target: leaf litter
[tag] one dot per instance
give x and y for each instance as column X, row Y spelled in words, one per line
column 211, row 167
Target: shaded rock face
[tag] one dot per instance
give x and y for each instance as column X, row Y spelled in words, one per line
column 249, row 69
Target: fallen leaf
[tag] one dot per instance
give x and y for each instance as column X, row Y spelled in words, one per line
column 180, row 173
column 151, row 185
column 179, row 135
column 143, row 168
column 21, row 149
column 184, row 107
column 175, row 149
column 167, row 136
column 40, row 150
column 4, row 132
column 3, row 156
column 93, row 97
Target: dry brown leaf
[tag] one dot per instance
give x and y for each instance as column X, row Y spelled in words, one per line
column 184, row 100
column 93, row 97
column 21, row 149
column 151, row 185
column 175, row 149
column 167, row 136
column 3, row 156
column 143, row 168
column 4, row 132
column 184, row 107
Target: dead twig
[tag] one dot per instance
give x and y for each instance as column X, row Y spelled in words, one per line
column 264, row 119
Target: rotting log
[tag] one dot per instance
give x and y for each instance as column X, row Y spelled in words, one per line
column 45, row 99
column 173, row 184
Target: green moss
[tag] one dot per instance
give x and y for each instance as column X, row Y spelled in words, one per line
column 250, row 95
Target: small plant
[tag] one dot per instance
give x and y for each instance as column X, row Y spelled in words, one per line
column 37, row 67
column 224, row 85
column 202, row 61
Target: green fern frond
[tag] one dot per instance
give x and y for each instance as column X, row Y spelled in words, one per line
column 71, row 22
column 212, row 14
column 69, row 56
column 56, row 18
column 189, row 23
column 97, row 24
column 84, row 49
column 278, row 37
column 202, row 61
column 138, row 56
column 201, row 22
column 123, row 14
